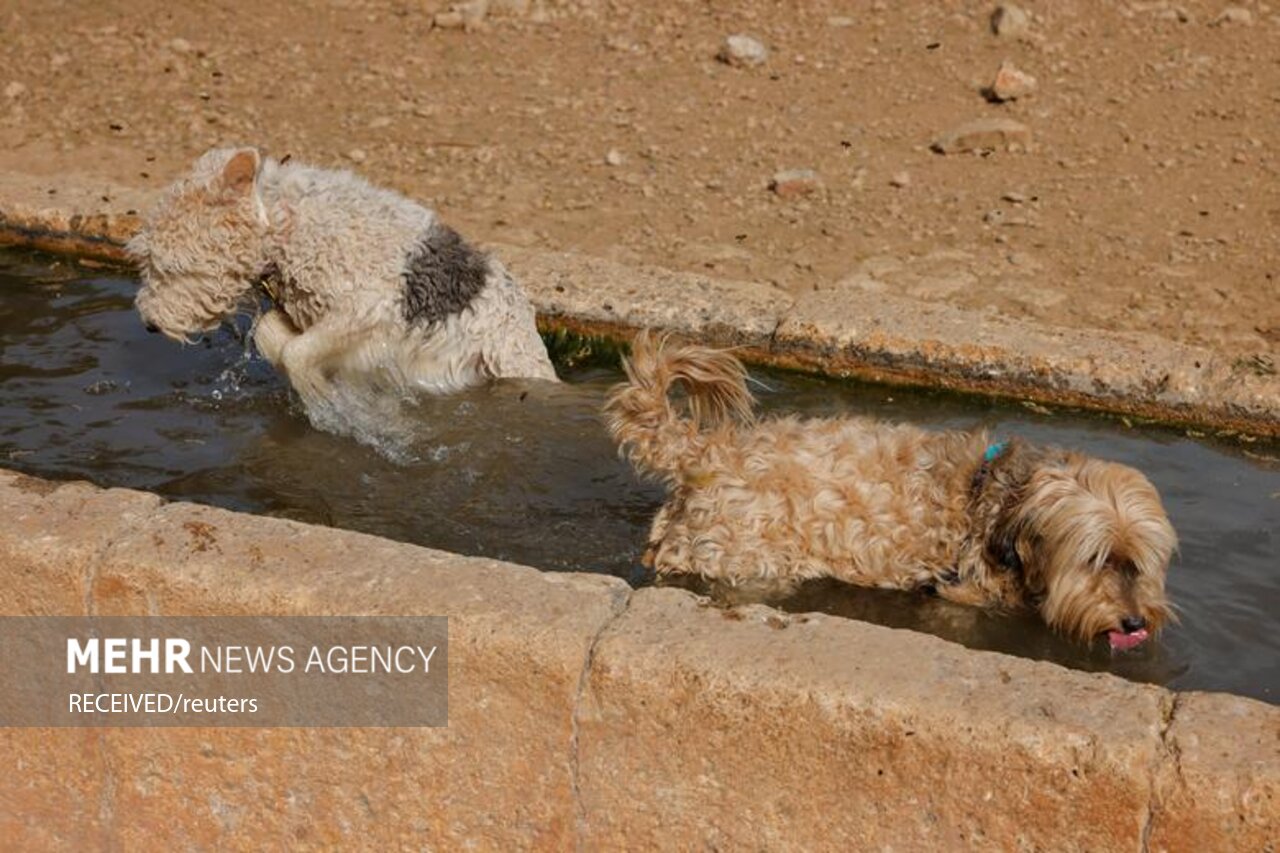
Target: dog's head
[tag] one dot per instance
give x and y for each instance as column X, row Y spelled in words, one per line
column 201, row 248
column 1093, row 544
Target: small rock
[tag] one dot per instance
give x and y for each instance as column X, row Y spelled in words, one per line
column 1014, row 197
column 793, row 183
column 469, row 15
column 14, row 90
column 380, row 122
column 179, row 45
column 1164, row 11
column 900, row 179
column 59, row 59
column 614, row 157
column 450, row 20
column 1234, row 15
column 1010, row 84
column 742, row 52
column 988, row 134
column 1010, row 21
column 357, row 155
column 839, row 22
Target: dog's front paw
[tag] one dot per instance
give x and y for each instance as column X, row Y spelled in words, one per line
column 271, row 333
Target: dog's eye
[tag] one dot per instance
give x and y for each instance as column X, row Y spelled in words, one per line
column 1123, row 566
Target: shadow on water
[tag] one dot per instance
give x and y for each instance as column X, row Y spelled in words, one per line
column 525, row 472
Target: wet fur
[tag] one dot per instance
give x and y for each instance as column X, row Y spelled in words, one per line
column 366, row 284
column 1083, row 542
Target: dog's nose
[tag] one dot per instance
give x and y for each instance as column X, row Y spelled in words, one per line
column 1133, row 623
column 153, row 328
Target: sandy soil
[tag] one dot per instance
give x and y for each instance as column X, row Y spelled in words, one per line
column 1148, row 200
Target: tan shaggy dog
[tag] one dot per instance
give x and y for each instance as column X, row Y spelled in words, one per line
column 1083, row 542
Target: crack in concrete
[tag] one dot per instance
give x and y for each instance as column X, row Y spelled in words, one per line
column 107, row 798
column 584, row 677
column 783, row 316
column 107, row 795
column 1168, row 709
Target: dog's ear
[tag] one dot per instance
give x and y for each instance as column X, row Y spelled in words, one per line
column 1002, row 546
column 241, row 172
column 138, row 248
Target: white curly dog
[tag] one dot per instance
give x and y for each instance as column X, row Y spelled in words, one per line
column 363, row 281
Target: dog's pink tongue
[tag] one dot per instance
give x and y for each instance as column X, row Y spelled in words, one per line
column 1122, row 641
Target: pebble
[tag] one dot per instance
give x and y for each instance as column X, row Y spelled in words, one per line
column 793, row 183
column 900, row 179
column 1234, row 15
column 742, row 52
column 614, row 157
column 469, row 15
column 450, row 20
column 1010, row 83
column 14, row 90
column 1010, row 21
column 1164, row 11
column 357, row 155
column 839, row 22
column 987, row 134
column 179, row 45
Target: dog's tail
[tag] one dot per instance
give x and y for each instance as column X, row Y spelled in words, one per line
column 648, row 428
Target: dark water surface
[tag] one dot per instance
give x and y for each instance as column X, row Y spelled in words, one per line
column 526, row 473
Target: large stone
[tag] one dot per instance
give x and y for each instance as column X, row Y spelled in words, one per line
column 701, row 731
column 501, row 774
column 1220, row 788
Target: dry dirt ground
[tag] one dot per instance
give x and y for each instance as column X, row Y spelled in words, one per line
column 1148, row 198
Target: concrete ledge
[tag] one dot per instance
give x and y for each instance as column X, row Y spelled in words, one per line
column 846, row 332
column 81, row 216
column 582, row 712
column 502, row 772
column 819, row 732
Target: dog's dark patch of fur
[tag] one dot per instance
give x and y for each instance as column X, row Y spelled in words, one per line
column 444, row 274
